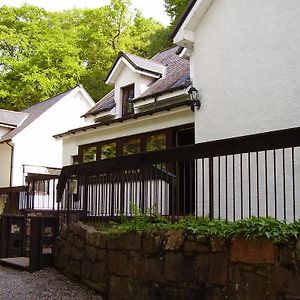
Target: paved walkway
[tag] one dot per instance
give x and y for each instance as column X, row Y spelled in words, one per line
column 44, row 284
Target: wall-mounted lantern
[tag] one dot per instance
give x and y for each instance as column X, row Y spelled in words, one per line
column 194, row 97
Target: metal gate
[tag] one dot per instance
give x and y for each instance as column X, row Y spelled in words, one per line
column 12, row 236
column 32, row 236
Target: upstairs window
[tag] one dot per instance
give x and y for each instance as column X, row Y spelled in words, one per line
column 127, row 96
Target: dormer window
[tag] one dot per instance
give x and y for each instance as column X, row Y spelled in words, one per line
column 127, row 96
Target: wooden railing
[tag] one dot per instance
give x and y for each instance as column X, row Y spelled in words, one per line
column 228, row 179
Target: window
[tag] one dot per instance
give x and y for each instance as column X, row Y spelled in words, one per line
column 127, row 96
column 156, row 142
column 89, row 154
column 132, row 146
column 108, row 150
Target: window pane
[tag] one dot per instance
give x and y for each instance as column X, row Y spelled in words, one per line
column 156, row 142
column 108, row 150
column 132, row 146
column 89, row 154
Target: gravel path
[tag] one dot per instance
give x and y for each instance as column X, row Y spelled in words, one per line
column 44, row 284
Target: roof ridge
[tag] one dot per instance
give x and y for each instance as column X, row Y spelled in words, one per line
column 148, row 59
column 50, row 98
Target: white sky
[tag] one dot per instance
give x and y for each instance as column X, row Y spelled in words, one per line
column 149, row 8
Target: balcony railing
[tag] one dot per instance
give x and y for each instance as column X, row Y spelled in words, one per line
column 228, row 179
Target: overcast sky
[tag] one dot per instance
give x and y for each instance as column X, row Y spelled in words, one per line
column 149, row 8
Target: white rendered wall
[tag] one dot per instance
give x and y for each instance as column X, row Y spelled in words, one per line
column 157, row 121
column 246, row 66
column 5, row 159
column 36, row 146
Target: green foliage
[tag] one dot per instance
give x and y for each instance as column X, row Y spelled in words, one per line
column 253, row 228
column 175, row 8
column 37, row 57
column 43, row 53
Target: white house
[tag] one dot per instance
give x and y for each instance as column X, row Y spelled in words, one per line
column 26, row 138
column 245, row 64
column 148, row 105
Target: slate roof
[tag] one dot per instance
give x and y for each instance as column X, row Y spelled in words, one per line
column 12, row 118
column 33, row 113
column 177, row 76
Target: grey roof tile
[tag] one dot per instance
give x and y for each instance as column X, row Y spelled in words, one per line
column 33, row 113
column 12, row 118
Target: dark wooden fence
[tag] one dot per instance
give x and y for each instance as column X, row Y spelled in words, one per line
column 228, row 179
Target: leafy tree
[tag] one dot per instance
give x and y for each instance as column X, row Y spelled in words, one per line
column 43, row 53
column 37, row 57
column 175, row 8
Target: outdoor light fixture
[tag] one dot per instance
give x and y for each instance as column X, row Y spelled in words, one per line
column 194, row 96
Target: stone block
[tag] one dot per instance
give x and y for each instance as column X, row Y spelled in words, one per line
column 93, row 238
column 123, row 263
column 100, row 287
column 131, row 241
column 86, row 269
column 151, row 269
column 78, row 242
column 89, row 231
column 76, row 253
column 248, row 286
column 195, row 247
column 70, row 238
column 99, row 272
column 81, row 230
column 259, row 251
column 218, row 244
column 280, row 278
column 119, row 288
column 64, row 231
column 114, row 242
column 101, row 255
column 90, row 253
column 174, row 239
column 61, row 261
column 287, row 255
column 67, row 249
column 212, row 268
column 179, row 267
column 152, row 242
column 75, row 267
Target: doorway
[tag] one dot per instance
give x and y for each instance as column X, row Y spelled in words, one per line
column 185, row 175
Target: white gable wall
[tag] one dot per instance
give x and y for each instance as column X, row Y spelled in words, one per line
column 246, row 66
column 125, row 78
column 35, row 145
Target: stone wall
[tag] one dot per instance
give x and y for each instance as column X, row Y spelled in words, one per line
column 174, row 265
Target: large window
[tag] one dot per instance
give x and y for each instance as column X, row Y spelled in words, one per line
column 127, row 96
column 146, row 142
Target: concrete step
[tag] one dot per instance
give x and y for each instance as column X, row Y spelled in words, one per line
column 16, row 262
